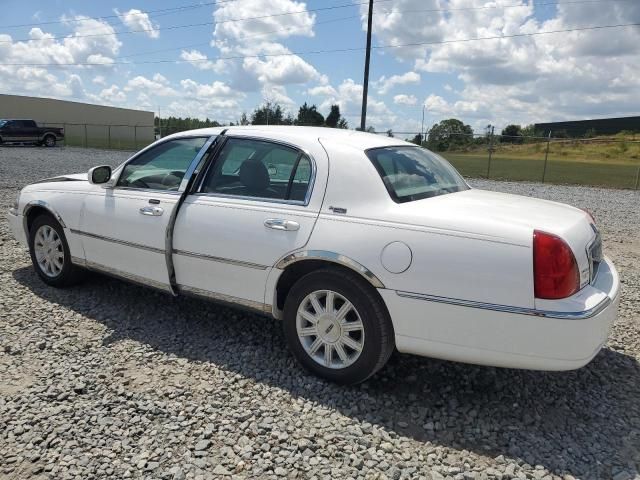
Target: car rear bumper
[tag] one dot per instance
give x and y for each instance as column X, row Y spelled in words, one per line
column 504, row 336
column 17, row 226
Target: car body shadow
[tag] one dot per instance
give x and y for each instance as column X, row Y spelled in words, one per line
column 561, row 420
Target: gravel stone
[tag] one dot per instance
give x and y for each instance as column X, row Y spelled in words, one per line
column 111, row 380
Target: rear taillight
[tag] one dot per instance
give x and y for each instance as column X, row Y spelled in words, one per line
column 555, row 270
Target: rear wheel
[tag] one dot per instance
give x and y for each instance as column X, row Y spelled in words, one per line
column 50, row 253
column 337, row 326
column 49, row 141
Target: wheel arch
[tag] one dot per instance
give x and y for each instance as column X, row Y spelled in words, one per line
column 35, row 208
column 298, row 264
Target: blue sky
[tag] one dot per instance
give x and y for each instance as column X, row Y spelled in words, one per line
column 581, row 74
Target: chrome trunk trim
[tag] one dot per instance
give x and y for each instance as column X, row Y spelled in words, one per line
column 592, row 312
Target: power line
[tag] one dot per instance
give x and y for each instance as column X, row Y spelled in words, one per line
column 494, row 7
column 192, row 25
column 316, row 52
column 334, row 7
column 324, row 22
column 161, row 11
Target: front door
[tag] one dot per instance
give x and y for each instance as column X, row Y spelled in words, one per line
column 123, row 229
column 251, row 209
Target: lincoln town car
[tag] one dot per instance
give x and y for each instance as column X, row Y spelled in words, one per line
column 360, row 244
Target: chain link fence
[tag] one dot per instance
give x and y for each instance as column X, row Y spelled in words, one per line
column 601, row 161
column 117, row 137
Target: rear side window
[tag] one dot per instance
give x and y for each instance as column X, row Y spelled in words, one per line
column 413, row 173
column 259, row 169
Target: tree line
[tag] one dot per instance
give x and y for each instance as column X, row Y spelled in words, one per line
column 450, row 134
column 270, row 113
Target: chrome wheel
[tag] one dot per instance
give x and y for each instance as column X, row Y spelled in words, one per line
column 49, row 252
column 330, row 329
column 49, row 141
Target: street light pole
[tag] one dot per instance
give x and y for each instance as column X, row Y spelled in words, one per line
column 365, row 89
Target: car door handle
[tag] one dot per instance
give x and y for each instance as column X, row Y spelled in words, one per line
column 152, row 211
column 281, row 224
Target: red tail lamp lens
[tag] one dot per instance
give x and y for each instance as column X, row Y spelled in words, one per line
column 555, row 270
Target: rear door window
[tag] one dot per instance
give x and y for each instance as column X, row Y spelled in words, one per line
column 259, row 169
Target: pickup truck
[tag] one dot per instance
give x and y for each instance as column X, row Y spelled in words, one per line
column 28, row 131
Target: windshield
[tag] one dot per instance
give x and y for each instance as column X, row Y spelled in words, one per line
column 413, row 173
column 2, row 122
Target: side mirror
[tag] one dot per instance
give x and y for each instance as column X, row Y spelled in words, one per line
column 99, row 175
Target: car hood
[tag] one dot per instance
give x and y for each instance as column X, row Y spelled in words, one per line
column 66, row 178
column 499, row 216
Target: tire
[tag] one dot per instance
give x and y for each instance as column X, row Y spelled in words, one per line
column 375, row 338
column 47, row 235
column 49, row 141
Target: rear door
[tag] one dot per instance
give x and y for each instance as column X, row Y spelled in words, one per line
column 252, row 208
column 30, row 131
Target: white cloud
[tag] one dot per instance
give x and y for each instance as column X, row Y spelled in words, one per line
column 139, row 21
column 385, row 84
column 113, row 94
column 199, row 60
column 156, row 86
column 268, row 62
column 403, row 99
column 582, row 74
column 323, row 90
column 42, row 48
column 436, row 104
column 227, row 34
column 278, row 94
column 284, row 70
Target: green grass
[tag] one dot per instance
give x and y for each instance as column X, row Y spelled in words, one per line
column 603, row 161
column 565, row 170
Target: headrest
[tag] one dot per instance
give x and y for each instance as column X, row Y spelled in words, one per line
column 254, row 175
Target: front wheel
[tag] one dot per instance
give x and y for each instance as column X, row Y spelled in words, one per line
column 337, row 326
column 50, row 253
column 49, row 141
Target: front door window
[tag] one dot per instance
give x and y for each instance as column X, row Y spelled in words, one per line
column 162, row 167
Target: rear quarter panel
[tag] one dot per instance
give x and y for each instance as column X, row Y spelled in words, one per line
column 443, row 263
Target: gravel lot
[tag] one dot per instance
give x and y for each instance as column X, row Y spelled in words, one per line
column 110, row 380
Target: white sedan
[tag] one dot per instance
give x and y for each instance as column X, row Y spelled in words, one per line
column 359, row 243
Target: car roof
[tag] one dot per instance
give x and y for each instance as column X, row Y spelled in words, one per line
column 354, row 138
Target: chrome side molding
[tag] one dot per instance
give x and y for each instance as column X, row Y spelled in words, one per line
column 211, row 258
column 583, row 315
column 120, row 242
column 226, row 299
column 334, row 258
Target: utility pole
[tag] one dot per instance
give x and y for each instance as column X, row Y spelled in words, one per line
column 159, row 122
column 546, row 157
column 365, row 89
column 490, row 129
column 422, row 127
